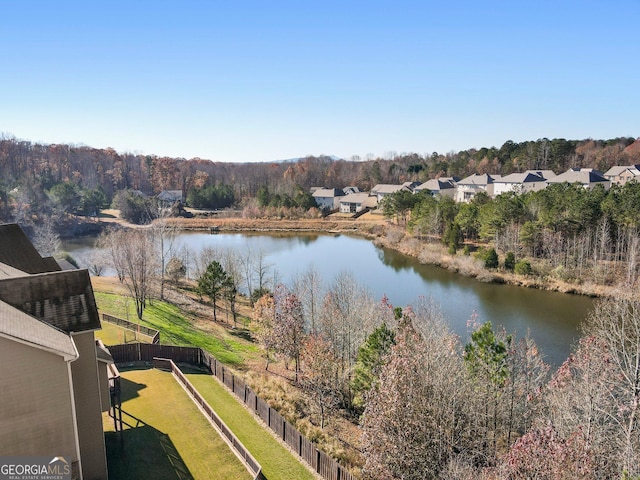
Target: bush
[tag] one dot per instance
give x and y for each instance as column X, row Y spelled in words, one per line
column 509, row 262
column 491, row 259
column 523, row 267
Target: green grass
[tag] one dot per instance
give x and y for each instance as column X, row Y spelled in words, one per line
column 176, row 329
column 168, row 438
column 112, row 334
column 277, row 462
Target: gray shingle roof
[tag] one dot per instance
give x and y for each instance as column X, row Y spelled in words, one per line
column 63, row 299
column 17, row 251
column 26, row 329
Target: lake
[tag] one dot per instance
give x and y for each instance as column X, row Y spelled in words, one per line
column 552, row 318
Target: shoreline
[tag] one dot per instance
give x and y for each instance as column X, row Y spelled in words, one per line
column 386, row 235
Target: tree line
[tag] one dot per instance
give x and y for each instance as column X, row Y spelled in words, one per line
column 567, row 231
column 28, row 171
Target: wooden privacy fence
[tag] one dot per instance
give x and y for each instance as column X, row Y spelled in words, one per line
column 150, row 332
column 254, row 468
column 327, row 467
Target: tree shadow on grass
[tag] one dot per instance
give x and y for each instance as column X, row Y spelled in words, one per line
column 144, row 453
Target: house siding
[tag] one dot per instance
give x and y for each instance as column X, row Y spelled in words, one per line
column 35, row 411
column 88, row 408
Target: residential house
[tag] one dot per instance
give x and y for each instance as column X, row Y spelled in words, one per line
column 623, row 174
column 469, row 187
column 356, row 202
column 168, row 198
column 411, row 185
column 444, row 186
column 529, row 181
column 587, row 177
column 328, row 198
column 52, row 398
column 382, row 190
column 350, row 189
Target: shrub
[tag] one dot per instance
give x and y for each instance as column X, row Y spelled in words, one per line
column 509, row 262
column 491, row 259
column 523, row 267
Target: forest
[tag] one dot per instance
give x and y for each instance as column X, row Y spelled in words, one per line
column 33, row 176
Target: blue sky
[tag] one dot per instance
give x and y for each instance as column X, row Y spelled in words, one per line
column 257, row 80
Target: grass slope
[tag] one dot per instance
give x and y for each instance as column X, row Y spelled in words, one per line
column 277, row 462
column 169, row 437
column 176, row 329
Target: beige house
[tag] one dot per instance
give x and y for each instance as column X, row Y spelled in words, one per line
column 623, row 174
column 469, row 187
column 587, row 177
column 52, row 396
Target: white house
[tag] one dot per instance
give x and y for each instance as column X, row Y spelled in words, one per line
column 588, row 177
column 444, row 186
column 328, row 197
column 356, row 202
column 529, row 181
column 469, row 187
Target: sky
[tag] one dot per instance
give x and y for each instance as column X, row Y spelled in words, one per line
column 242, row 80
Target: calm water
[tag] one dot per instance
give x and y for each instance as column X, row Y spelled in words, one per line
column 552, row 318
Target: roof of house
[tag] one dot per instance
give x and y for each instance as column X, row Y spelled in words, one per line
column 436, row 184
column 410, row 185
column 327, row 193
column 617, row 170
column 546, row 174
column 170, row 195
column 360, row 197
column 102, row 353
column 19, row 326
column 350, row 189
column 38, row 287
column 18, row 252
column 384, row 188
column 524, row 177
column 476, row 179
column 579, row 175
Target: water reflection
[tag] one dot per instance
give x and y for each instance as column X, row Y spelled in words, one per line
column 552, row 318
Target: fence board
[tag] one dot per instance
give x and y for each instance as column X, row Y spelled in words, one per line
column 263, row 410
column 292, row 437
column 239, row 388
column 309, row 453
column 277, row 423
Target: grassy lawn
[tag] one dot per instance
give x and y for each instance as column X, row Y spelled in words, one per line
column 228, row 346
column 277, row 462
column 112, row 334
column 168, row 438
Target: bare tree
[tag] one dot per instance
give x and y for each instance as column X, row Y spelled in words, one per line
column 308, row 287
column 132, row 255
column 46, row 239
column 164, row 235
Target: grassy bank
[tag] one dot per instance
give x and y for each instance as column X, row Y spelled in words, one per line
column 180, row 328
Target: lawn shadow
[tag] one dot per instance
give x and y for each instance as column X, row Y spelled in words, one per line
column 142, row 453
column 242, row 333
column 129, row 389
